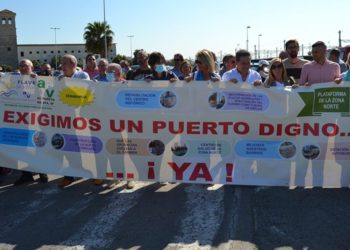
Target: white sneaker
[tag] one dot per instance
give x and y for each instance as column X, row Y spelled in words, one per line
column 130, row 184
column 113, row 184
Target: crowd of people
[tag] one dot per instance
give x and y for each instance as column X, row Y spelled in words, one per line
column 286, row 70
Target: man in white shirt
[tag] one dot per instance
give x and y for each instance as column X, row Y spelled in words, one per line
column 242, row 73
column 69, row 68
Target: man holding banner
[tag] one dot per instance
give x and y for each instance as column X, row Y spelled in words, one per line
column 242, row 73
column 320, row 70
column 69, row 68
column 293, row 63
column 26, row 69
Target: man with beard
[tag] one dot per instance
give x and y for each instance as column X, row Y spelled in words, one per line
column 293, row 64
column 143, row 71
column 320, row 70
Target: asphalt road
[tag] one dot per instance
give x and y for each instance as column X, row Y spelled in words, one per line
column 173, row 216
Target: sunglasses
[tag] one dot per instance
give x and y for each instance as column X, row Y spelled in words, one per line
column 198, row 62
column 91, row 59
column 278, row 66
column 177, row 59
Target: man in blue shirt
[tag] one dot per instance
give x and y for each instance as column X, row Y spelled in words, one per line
column 334, row 56
column 102, row 69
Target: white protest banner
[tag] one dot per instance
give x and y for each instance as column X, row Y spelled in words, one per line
column 201, row 132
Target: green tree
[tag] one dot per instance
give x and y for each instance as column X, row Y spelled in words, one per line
column 95, row 37
column 36, row 63
column 80, row 63
column 170, row 62
column 119, row 58
column 6, row 68
column 53, row 61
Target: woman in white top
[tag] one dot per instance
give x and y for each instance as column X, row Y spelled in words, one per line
column 277, row 75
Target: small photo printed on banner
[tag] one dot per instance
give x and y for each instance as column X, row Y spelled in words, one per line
column 168, row 99
column 178, row 149
column 57, row 141
column 156, row 147
column 217, row 100
column 311, row 152
column 39, row 139
column 287, row 149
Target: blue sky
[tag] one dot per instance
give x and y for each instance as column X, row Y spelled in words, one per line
column 184, row 26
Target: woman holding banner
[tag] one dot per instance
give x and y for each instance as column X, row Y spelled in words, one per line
column 156, row 61
column 186, row 69
column 206, row 68
column 278, row 75
column 114, row 73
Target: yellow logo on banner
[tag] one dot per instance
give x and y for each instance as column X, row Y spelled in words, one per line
column 6, row 83
column 76, row 96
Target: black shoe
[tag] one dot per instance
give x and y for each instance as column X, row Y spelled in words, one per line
column 66, row 181
column 44, row 178
column 24, row 179
column 5, row 171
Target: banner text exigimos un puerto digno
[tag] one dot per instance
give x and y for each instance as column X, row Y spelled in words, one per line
column 198, row 133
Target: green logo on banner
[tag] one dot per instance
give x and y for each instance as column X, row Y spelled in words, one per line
column 326, row 100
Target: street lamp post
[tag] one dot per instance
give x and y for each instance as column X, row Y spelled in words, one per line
column 255, row 52
column 248, row 27
column 131, row 37
column 105, row 25
column 259, row 45
column 55, row 29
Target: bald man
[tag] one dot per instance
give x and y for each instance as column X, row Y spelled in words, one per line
column 69, row 67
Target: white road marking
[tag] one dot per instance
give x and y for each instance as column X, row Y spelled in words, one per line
column 7, row 247
column 77, row 207
column 202, row 219
column 98, row 232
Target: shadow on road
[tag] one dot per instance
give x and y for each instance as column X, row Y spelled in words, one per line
column 175, row 216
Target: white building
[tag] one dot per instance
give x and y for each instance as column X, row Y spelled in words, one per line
column 46, row 52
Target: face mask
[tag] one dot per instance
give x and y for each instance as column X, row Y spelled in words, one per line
column 160, row 68
column 110, row 77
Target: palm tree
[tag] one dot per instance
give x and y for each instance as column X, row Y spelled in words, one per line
column 94, row 37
